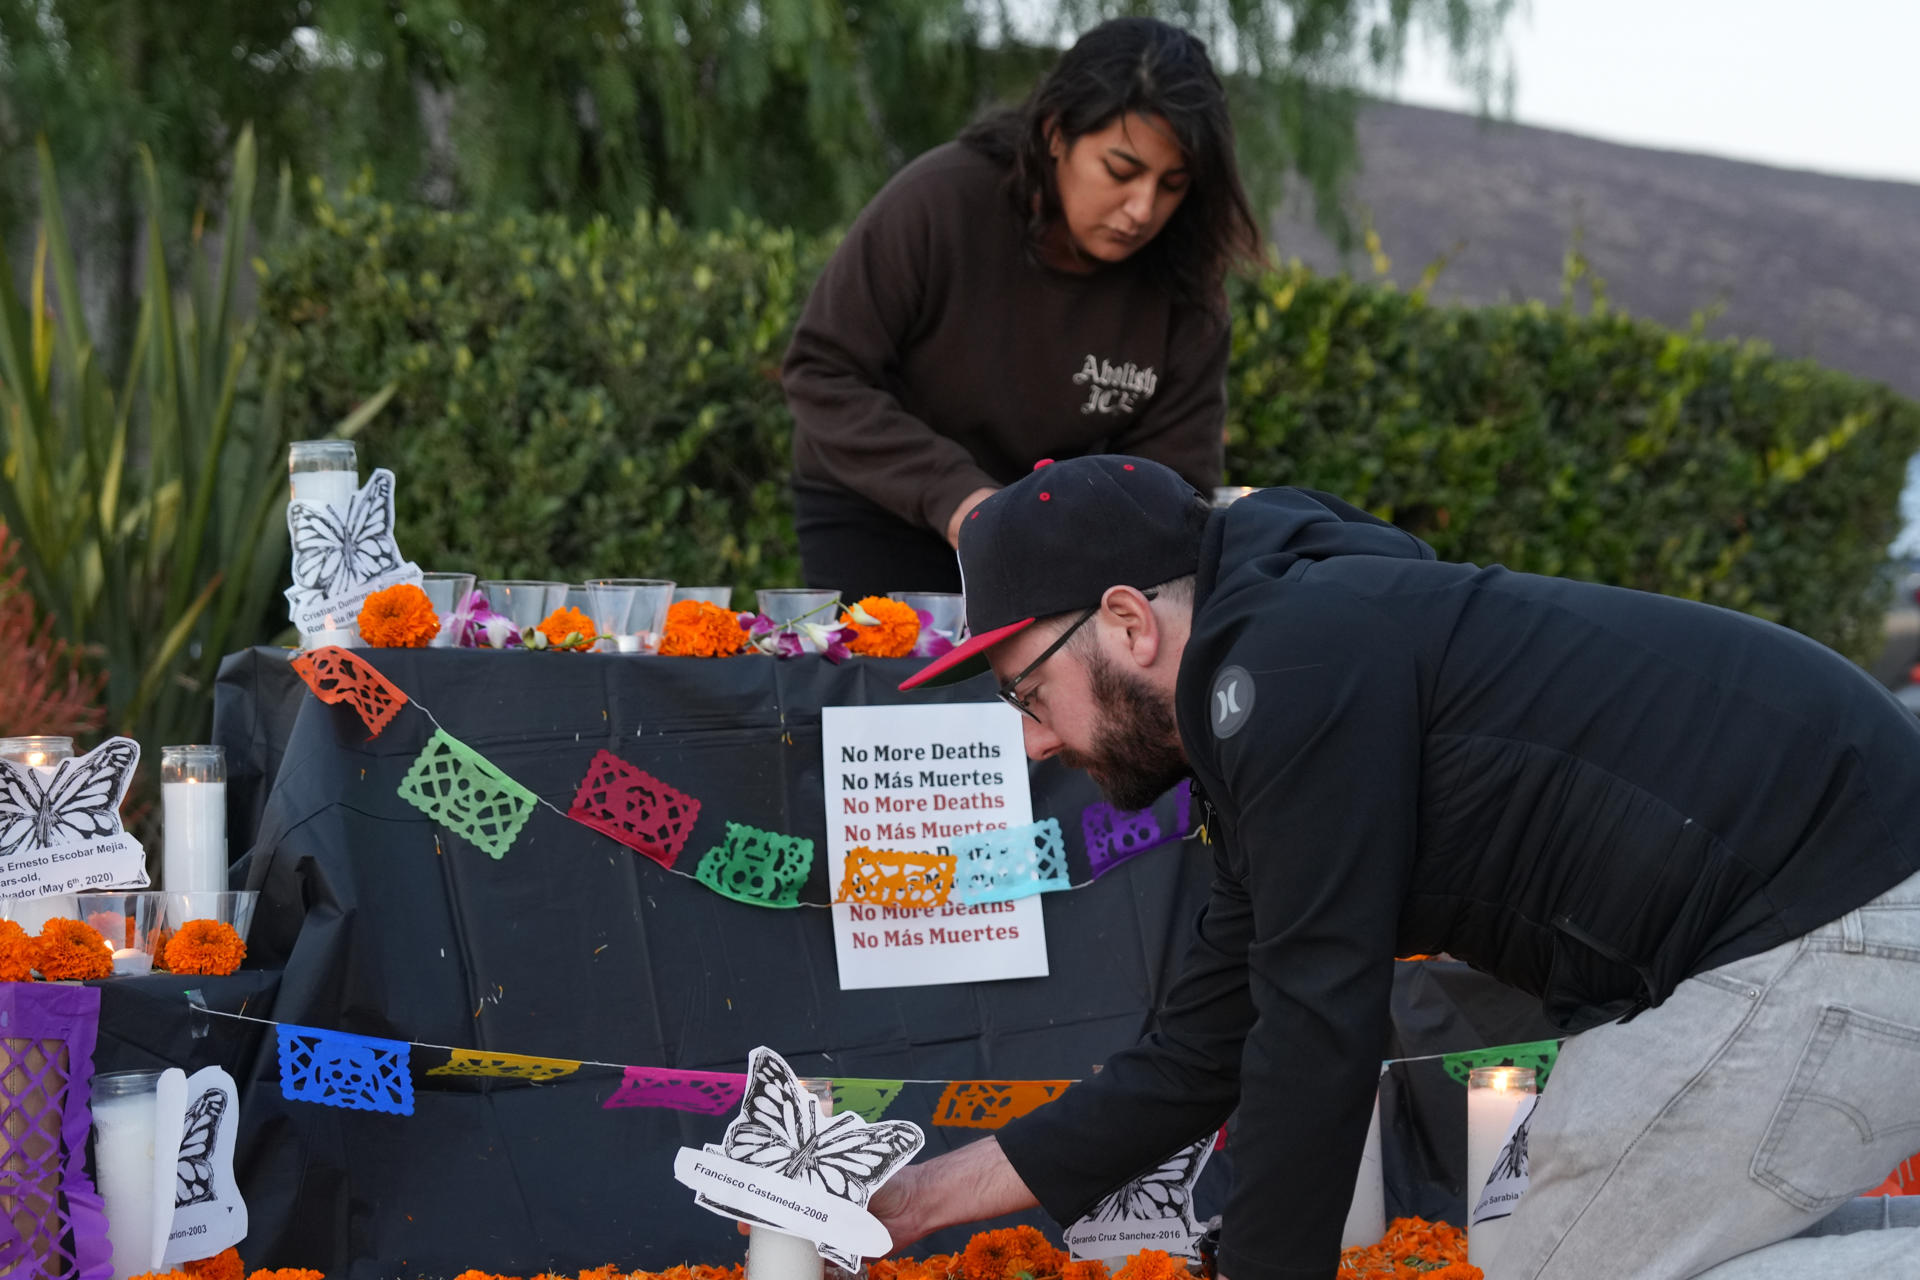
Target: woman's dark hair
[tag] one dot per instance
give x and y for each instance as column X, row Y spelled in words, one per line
column 1145, row 66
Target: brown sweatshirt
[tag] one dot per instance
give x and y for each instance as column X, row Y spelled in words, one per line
column 936, row 357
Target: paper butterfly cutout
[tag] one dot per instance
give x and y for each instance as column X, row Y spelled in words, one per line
column 334, row 551
column 80, row 803
column 194, row 1181
column 335, row 675
column 780, row 1129
column 1165, row 1192
column 885, row 878
column 990, row 1104
column 628, row 804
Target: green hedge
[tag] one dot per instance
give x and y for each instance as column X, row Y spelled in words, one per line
column 606, row 400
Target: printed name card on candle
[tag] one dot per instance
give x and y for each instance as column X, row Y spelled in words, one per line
column 60, row 827
column 783, row 1165
column 342, row 555
column 1154, row 1211
column 921, row 780
column 201, row 1202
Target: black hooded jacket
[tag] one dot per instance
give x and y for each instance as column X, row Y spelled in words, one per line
column 1591, row 793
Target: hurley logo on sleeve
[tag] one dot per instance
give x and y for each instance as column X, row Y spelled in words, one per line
column 1114, row 388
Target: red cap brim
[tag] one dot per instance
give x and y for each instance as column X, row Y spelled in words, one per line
column 963, row 660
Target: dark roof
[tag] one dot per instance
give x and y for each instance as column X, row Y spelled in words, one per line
column 1818, row 266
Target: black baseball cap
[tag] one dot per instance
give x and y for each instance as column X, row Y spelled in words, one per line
column 1057, row 538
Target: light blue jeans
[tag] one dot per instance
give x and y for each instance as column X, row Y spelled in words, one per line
column 1700, row 1137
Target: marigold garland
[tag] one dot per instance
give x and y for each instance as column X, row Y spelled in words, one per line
column 697, row 629
column 1009, row 1251
column 568, row 629
column 1151, row 1264
column 225, row 1265
column 401, row 617
column 72, row 949
column 1412, row 1249
column 19, row 953
column 893, row 632
column 211, row 948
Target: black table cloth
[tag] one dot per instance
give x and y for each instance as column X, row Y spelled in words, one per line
column 378, row 921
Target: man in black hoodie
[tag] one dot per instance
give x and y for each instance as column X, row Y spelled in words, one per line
column 1695, row 836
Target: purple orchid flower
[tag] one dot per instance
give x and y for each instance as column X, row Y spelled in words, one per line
column 931, row 643
column 482, row 628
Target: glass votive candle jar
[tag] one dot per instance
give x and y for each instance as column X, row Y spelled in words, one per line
column 448, row 593
column 721, row 596
column 37, row 751
column 125, row 1142
column 630, row 613
column 323, row 472
column 193, row 799
column 131, row 923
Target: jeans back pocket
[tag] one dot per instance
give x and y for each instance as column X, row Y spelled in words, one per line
column 1850, row 1114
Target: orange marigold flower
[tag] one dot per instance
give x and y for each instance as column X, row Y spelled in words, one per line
column 1090, row 1269
column 482, row 1275
column 1411, row 1247
column 225, row 1265
column 568, row 629
column 1151, row 1264
column 286, row 1273
column 892, row 633
column 205, row 947
column 19, row 953
column 160, row 1275
column 400, row 617
column 72, row 949
column 697, row 629
column 1007, row 1253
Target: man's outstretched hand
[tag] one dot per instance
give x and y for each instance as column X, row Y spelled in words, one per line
column 966, row 1185
column 975, row 1182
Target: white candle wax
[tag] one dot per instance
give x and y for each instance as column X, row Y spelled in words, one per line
column 123, row 1151
column 626, row 644
column 1490, row 1114
column 775, row 1255
column 1367, row 1211
column 333, row 488
column 196, row 836
column 129, row 962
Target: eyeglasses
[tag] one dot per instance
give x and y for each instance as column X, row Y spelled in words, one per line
column 1009, row 692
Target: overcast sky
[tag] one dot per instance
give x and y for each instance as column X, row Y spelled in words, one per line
column 1830, row 86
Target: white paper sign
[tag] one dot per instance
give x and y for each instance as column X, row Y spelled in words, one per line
column 60, row 824
column 912, row 780
column 1154, row 1211
column 1508, row 1180
column 200, row 1210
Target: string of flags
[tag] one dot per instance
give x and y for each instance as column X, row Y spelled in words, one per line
column 370, row 1073
column 472, row 797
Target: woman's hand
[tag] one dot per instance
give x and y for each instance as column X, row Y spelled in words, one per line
column 967, row 504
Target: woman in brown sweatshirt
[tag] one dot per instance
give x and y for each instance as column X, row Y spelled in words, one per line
column 1049, row 285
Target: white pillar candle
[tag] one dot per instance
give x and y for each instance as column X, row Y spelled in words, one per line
column 196, row 836
column 1494, row 1095
column 775, row 1255
column 123, row 1157
column 626, row 644
column 1367, row 1211
column 331, row 488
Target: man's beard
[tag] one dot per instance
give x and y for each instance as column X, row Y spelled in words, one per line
column 1136, row 756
